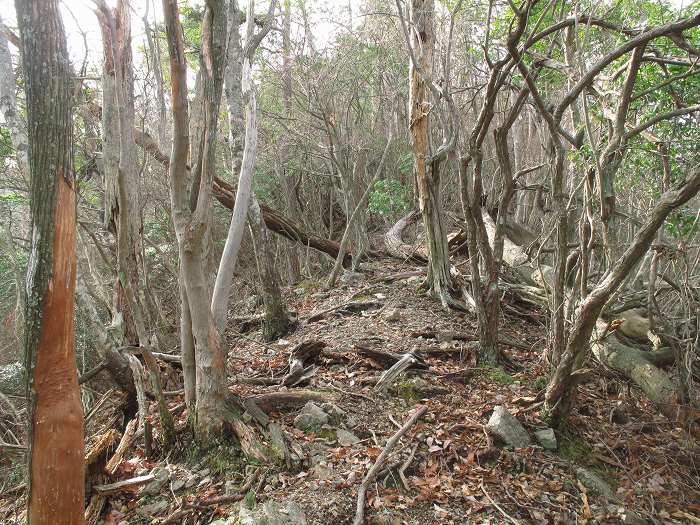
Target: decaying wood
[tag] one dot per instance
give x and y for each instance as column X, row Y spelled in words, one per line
column 289, row 399
column 124, row 444
column 348, row 308
column 100, row 447
column 94, row 509
column 381, row 460
column 389, row 376
column 250, row 444
column 300, row 356
column 385, row 358
column 120, row 486
column 395, row 245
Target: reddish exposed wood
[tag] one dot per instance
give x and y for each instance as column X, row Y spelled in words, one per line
column 58, row 479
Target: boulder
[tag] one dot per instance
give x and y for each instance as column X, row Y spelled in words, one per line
column 346, row 438
column 311, row 418
column 547, row 439
column 12, row 379
column 161, row 476
column 272, row 513
column 595, row 483
column 506, row 427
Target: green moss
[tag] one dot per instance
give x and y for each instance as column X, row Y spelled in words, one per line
column 575, row 449
column 540, row 383
column 500, row 376
column 405, row 389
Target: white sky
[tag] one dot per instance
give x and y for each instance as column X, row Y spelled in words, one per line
column 79, row 15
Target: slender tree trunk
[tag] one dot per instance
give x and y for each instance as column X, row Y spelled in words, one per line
column 427, row 171
column 56, row 480
column 561, row 391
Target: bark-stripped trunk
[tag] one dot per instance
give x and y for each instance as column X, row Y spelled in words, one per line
column 427, row 171
column 56, row 442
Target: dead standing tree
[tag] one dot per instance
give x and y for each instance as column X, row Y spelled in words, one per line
column 56, row 480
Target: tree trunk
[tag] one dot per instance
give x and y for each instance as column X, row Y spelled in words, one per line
column 427, row 171
column 561, row 390
column 56, row 480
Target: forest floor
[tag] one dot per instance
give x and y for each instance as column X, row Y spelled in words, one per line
column 454, row 472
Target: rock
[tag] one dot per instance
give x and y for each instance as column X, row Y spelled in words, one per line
column 230, row 487
column 204, row 472
column 547, row 439
column 350, row 277
column 336, row 414
column 231, row 520
column 272, row 513
column 506, row 427
column 190, row 482
column 595, row 483
column 311, row 418
column 346, row 438
column 153, row 509
column 177, row 485
column 161, row 476
column 446, row 337
column 322, row 472
column 12, row 379
column 385, row 518
column 393, row 315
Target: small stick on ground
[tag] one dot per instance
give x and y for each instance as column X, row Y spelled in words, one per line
column 372, row 474
column 498, row 507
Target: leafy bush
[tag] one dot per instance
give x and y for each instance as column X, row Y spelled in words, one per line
column 389, row 197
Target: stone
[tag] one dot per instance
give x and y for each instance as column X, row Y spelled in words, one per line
column 230, row 487
column 595, row 483
column 190, row 482
column 506, row 427
column 177, row 485
column 161, row 476
column 336, row 414
column 350, row 277
column 346, row 438
column 322, row 472
column 311, row 418
column 153, row 509
column 272, row 513
column 446, row 337
column 547, row 439
column 393, row 315
column 12, row 379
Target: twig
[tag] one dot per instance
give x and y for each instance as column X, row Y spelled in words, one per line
column 498, row 507
column 372, row 474
column 348, row 393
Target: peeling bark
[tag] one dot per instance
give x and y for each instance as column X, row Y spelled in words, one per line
column 56, row 480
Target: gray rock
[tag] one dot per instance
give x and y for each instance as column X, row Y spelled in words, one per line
column 547, row 439
column 161, row 477
column 346, row 438
column 350, row 277
column 230, row 487
column 231, row 520
column 272, row 513
column 155, row 508
column 446, row 337
column 506, row 427
column 12, row 379
column 336, row 415
column 393, row 315
column 190, row 482
column 178, row 484
column 311, row 418
column 595, row 483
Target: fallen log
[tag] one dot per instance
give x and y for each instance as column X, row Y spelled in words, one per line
column 119, row 486
column 287, row 399
column 633, row 363
column 397, row 248
column 225, row 193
